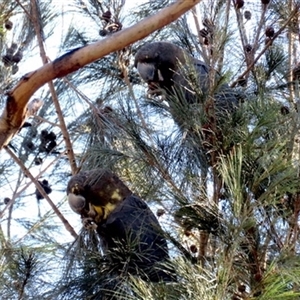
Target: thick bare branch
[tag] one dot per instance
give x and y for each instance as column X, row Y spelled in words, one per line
column 14, row 113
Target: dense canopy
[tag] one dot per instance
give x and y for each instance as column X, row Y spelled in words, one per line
column 149, row 150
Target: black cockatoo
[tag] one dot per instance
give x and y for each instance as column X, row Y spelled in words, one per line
column 124, row 222
column 169, row 69
column 203, row 116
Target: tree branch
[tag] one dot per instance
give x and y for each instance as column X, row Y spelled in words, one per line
column 14, row 113
column 43, row 193
column 62, row 124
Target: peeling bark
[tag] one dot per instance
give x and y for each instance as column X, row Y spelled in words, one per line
column 14, row 114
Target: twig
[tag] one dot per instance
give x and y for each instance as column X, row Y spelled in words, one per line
column 290, row 55
column 268, row 44
column 123, row 68
column 225, row 28
column 17, row 194
column 196, row 22
column 38, row 29
column 41, row 190
column 24, row 9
